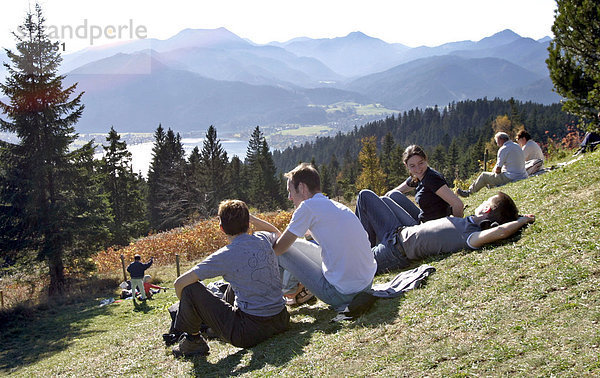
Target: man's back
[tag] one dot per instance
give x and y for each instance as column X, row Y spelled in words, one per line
column 248, row 263
column 512, row 161
column 348, row 263
column 532, row 150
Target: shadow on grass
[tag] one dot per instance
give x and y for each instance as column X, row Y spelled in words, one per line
column 276, row 351
column 280, row 349
column 141, row 306
column 30, row 335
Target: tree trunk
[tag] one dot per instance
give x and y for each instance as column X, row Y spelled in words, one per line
column 57, row 274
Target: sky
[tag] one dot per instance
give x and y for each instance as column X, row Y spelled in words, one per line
column 410, row 22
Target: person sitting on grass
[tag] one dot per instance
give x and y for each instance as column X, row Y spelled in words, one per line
column 432, row 194
column 150, row 288
column 400, row 240
column 253, row 308
column 342, row 266
column 510, row 166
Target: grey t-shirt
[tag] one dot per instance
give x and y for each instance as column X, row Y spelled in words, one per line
column 250, row 266
column 444, row 235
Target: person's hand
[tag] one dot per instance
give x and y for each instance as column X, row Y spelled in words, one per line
column 529, row 218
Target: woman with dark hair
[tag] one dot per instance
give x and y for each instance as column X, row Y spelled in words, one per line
column 434, row 197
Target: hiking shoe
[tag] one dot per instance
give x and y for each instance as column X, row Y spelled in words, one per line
column 191, row 346
column 463, row 193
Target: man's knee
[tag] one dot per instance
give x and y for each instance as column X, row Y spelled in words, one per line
column 365, row 196
column 189, row 291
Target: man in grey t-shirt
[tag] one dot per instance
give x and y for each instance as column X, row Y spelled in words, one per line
column 253, row 308
column 510, row 166
column 400, row 239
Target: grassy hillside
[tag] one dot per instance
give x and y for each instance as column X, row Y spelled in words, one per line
column 529, row 306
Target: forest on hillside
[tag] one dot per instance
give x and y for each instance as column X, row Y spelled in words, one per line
column 462, row 124
column 455, row 137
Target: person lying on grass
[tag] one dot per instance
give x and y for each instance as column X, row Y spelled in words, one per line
column 400, row 240
column 253, row 308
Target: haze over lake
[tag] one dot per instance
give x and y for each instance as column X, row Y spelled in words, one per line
column 142, row 152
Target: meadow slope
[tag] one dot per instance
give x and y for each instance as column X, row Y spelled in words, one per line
column 529, row 306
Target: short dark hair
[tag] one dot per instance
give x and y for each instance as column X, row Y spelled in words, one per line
column 307, row 174
column 502, row 209
column 234, row 216
column 523, row 134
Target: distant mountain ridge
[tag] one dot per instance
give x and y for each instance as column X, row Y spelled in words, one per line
column 201, row 77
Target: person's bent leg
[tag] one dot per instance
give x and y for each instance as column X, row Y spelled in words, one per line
column 481, row 181
column 375, row 216
column 303, row 260
column 407, row 205
column 199, row 306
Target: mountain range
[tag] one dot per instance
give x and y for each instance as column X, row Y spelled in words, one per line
column 201, row 77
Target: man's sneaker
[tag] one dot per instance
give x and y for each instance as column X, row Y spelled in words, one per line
column 463, row 193
column 191, row 346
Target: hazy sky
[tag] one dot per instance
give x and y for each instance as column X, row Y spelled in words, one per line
column 410, row 22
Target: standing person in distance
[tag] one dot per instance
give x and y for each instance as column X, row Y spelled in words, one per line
column 434, row 197
column 136, row 270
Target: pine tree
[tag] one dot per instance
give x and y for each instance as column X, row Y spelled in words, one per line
column 125, row 192
column 272, row 190
column 213, row 162
column 237, row 178
column 42, row 191
column 89, row 212
column 263, row 185
column 387, row 147
column 398, row 172
column 168, row 199
column 197, row 201
column 372, row 176
column 573, row 60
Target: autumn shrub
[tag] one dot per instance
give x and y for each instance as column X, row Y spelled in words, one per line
column 192, row 242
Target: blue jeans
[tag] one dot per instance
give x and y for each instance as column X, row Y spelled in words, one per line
column 381, row 217
column 303, row 261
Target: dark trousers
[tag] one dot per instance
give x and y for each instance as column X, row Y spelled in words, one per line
column 199, row 306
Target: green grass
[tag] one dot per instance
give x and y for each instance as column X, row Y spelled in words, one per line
column 359, row 109
column 305, row 130
column 526, row 307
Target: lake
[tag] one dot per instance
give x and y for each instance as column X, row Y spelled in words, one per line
column 141, row 153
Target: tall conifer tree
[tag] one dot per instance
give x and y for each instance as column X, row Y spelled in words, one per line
column 168, row 202
column 125, row 191
column 213, row 162
column 45, row 185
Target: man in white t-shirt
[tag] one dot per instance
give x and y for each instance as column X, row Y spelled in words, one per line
column 510, row 166
column 345, row 266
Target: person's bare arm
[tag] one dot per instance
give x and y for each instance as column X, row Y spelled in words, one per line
column 184, row 280
column 481, row 238
column 263, row 225
column 448, row 195
column 402, row 188
column 284, row 242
